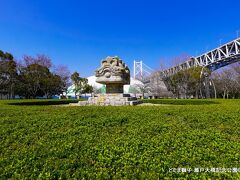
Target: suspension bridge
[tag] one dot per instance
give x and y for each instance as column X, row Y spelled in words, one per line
column 141, row 71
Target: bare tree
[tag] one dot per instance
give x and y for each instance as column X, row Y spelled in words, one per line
column 157, row 86
column 180, row 59
column 142, row 88
column 64, row 73
column 226, row 83
column 40, row 59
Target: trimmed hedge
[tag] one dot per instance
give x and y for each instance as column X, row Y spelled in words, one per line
column 41, row 102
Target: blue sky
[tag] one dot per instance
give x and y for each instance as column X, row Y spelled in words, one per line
column 80, row 34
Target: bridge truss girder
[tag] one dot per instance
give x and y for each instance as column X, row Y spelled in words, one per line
column 222, row 56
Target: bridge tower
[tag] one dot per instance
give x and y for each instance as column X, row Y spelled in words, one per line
column 141, row 71
column 137, row 70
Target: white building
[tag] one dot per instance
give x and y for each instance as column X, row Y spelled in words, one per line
column 101, row 88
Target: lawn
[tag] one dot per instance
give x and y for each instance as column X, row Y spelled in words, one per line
column 50, row 142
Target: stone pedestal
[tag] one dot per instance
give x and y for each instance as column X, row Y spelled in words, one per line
column 114, row 88
column 111, row 100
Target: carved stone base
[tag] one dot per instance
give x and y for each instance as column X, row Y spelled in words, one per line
column 111, row 100
column 114, row 88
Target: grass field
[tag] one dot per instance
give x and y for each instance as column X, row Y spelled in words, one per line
column 50, row 142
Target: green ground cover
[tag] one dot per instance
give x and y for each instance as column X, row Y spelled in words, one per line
column 119, row 142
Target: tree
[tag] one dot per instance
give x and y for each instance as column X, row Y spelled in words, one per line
column 87, row 89
column 227, row 81
column 12, row 72
column 75, row 77
column 51, row 85
column 134, row 90
column 63, row 72
column 36, row 80
column 31, row 77
column 179, row 59
column 40, row 59
column 8, row 74
column 186, row 83
column 175, row 83
column 142, row 88
column 179, row 82
column 81, row 84
column 194, row 80
column 34, row 77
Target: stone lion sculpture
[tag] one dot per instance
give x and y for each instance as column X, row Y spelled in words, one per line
column 113, row 71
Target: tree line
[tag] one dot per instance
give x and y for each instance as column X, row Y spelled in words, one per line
column 196, row 82
column 199, row 82
column 34, row 77
column 227, row 81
